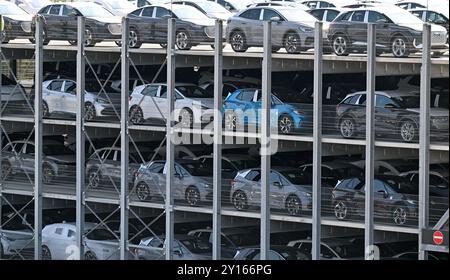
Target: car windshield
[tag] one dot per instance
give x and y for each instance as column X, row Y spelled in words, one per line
column 11, row 9
column 294, row 176
column 187, row 12
column 56, row 149
column 348, row 251
column 407, row 101
column 120, row 4
column 211, row 7
column 100, row 234
column 194, row 92
column 347, row 172
column 197, row 246
column 198, row 168
column 93, row 11
column 240, row 239
column 94, row 86
column 298, row 16
column 401, row 16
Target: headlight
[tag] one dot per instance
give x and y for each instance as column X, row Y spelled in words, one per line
column 209, row 31
column 26, row 26
column 115, row 28
column 298, row 112
column 305, row 29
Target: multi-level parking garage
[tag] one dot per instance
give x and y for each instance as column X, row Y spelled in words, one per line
column 98, row 166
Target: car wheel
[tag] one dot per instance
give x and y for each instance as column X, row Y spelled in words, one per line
column 88, row 38
column 408, row 131
column 293, row 205
column 340, row 45
column 136, row 115
column 134, row 41
column 399, row 47
column 163, row 45
column 48, row 174
column 89, row 111
column 238, row 42
column 292, row 43
column 90, row 256
column 230, row 121
column 400, row 215
column 341, row 210
column 45, row 111
column 73, row 42
column 183, row 40
column 347, row 128
column 285, row 124
column 192, row 196
column 240, row 201
column 94, row 178
column 46, row 255
column 143, row 191
column 6, row 170
column 186, row 118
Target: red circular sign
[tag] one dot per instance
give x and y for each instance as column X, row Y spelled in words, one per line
column 438, row 237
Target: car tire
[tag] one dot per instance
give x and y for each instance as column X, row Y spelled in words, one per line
column 292, row 43
column 341, row 210
column 89, row 111
column 134, row 41
column 399, row 215
column 89, row 38
column 94, row 178
column 48, row 174
column 408, row 131
column 293, row 205
column 143, row 191
column 186, row 118
column 240, row 201
column 136, row 115
column 340, row 45
column 163, row 45
column 347, row 127
column 285, row 124
column 6, row 170
column 73, row 42
column 192, row 196
column 183, row 40
column 46, row 254
column 90, row 256
column 45, row 111
column 238, row 41
column 230, row 121
column 399, row 46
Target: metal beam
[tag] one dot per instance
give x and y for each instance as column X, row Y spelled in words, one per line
column 124, row 141
column 80, row 140
column 170, row 158
column 424, row 137
column 265, row 139
column 1, row 131
column 38, row 141
column 370, row 142
column 217, row 145
column 317, row 141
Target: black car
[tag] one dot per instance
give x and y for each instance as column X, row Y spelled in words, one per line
column 149, row 25
column 395, row 199
column 60, row 23
column 396, row 115
column 332, row 172
column 398, row 31
column 16, row 22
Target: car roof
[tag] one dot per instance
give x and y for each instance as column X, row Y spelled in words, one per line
column 176, row 84
column 388, row 93
column 333, row 164
column 330, row 241
column 78, row 4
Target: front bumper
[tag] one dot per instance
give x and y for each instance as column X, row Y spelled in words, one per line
column 17, row 30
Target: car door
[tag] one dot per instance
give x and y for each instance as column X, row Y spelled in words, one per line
column 69, row 18
column 54, row 96
column 109, row 162
column 56, row 243
column 278, row 27
column 252, row 26
column 69, row 98
column 383, row 27
column 27, row 157
column 160, row 16
column 386, row 112
column 161, row 103
column 277, row 190
column 146, row 23
column 380, row 198
column 150, row 104
column 358, row 30
column 54, row 23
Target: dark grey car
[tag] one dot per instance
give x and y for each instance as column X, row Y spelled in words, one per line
column 293, row 29
column 16, row 22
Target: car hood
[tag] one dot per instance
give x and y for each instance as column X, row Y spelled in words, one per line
column 201, row 22
column 63, row 158
column 113, row 19
column 419, row 27
column 19, row 17
column 434, row 112
column 308, row 24
column 18, row 234
column 208, row 102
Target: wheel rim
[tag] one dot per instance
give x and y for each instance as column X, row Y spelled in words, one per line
column 186, row 118
column 94, row 179
column 340, row 210
column 90, row 256
column 133, row 39
column 340, row 45
column 192, row 196
column 237, row 42
column 347, row 128
column 6, row 169
column 399, row 47
column 89, row 112
column 292, row 42
column 44, row 109
column 400, row 216
column 230, row 122
column 293, row 206
column 285, row 125
column 47, row 174
column 240, row 201
column 408, row 131
column 182, row 40
column 87, row 37
column 142, row 191
column 46, row 253
column 136, row 115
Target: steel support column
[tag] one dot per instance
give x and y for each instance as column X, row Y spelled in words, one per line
column 317, row 141
column 265, row 139
column 170, row 157
column 80, row 139
column 38, row 128
column 424, row 136
column 217, row 146
column 124, row 140
column 1, row 143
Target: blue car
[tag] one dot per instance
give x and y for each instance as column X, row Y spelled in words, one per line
column 242, row 108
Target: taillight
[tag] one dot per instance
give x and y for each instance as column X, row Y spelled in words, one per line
column 232, row 182
column 129, row 98
column 135, row 173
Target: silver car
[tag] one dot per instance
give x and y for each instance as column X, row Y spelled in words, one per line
column 293, row 29
column 286, row 190
column 192, row 181
column 59, row 96
column 185, row 247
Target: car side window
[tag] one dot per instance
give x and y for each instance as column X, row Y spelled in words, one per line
column 253, row 175
column 246, row 95
column 306, row 248
column 161, row 12
column 317, row 14
column 156, row 167
column 274, row 178
column 331, row 15
column 268, row 14
column 378, row 186
column 59, row 231
column 376, row 17
column 55, row 10
column 55, row 85
column 150, row 91
column 147, row 12
column 352, row 99
column 345, row 17
column 358, row 16
column 156, row 243
column 69, row 11
column 251, row 14
column 45, row 10
column 70, row 87
column 417, row 13
column 325, row 252
column 381, row 101
column 70, row 233
column 436, row 18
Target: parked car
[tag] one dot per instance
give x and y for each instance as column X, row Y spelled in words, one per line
column 399, row 32
column 192, row 182
column 208, row 8
column 331, row 248
column 16, row 235
column 228, row 87
column 287, row 191
column 332, row 172
column 60, row 23
column 390, row 166
column 276, row 253
column 185, row 247
column 242, row 108
column 115, row 7
column 192, row 104
column 18, row 157
column 57, row 238
column 325, row 14
column 413, row 4
column 434, row 256
column 16, row 22
column 31, row 6
column 293, row 31
column 396, row 115
column 14, row 95
column 319, row 4
column 286, row 3
column 395, row 200
column 149, row 25
column 438, row 17
column 59, row 96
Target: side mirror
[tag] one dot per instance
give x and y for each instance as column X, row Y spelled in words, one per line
column 277, row 184
column 275, row 18
column 177, row 253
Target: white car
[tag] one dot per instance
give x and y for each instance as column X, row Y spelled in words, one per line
column 31, row 6
column 16, row 236
column 115, row 7
column 59, row 96
column 192, row 104
column 289, row 3
column 209, row 8
column 59, row 242
column 13, row 93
